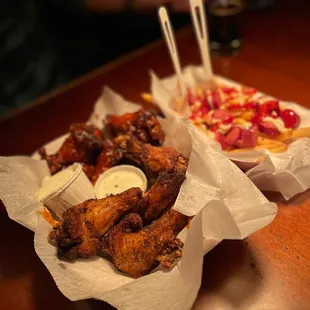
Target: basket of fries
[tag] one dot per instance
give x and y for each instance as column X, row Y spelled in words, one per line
column 264, row 136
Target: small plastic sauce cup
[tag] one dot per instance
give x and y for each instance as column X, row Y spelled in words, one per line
column 118, row 179
column 65, row 189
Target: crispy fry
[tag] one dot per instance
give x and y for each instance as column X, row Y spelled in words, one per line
column 147, row 97
column 260, row 140
column 248, row 115
column 294, row 134
column 278, row 148
column 239, row 121
column 241, row 150
column 271, row 145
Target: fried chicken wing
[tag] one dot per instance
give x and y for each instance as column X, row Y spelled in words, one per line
column 109, row 157
column 161, row 195
column 142, row 124
column 84, row 225
column 83, row 145
column 136, row 250
column 153, row 159
column 163, row 163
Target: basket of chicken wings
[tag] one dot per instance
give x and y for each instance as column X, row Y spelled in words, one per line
column 125, row 206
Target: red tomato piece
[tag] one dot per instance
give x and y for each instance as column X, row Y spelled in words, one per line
column 290, row 118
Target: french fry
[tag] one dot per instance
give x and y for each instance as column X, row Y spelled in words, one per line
column 147, row 97
column 240, row 150
column 239, row 121
column 278, row 148
column 260, row 140
column 294, row 134
column 248, row 115
column 265, row 146
column 271, row 145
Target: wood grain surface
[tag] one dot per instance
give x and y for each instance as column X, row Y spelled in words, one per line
column 269, row 270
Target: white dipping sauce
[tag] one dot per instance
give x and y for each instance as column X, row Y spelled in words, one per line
column 52, row 184
column 118, row 179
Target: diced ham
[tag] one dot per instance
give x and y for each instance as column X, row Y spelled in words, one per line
column 223, row 115
column 216, row 99
column 257, row 118
column 205, row 108
column 268, row 128
column 233, row 135
column 222, row 139
column 248, row 138
column 214, row 127
column 269, row 106
column 207, row 96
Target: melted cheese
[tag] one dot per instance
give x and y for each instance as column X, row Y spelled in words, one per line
column 224, row 128
column 246, row 125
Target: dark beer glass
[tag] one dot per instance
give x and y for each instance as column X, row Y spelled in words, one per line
column 224, row 19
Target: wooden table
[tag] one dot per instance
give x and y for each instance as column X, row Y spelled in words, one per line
column 269, row 270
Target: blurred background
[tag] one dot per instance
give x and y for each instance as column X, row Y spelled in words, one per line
column 46, row 44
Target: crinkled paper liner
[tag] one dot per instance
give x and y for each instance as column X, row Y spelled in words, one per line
column 287, row 172
column 226, row 203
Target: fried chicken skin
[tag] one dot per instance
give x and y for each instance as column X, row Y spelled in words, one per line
column 153, row 159
column 136, row 250
column 83, row 145
column 108, row 158
column 163, row 163
column 161, row 195
column 142, row 124
column 83, row 226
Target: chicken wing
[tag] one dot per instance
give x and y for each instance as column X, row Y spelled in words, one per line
column 161, row 195
column 163, row 163
column 142, row 124
column 83, row 145
column 154, row 160
column 109, row 157
column 136, row 250
column 83, row 226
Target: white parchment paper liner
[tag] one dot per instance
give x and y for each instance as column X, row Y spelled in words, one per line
column 287, row 172
column 226, row 203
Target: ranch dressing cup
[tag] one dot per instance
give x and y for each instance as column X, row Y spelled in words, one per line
column 118, row 179
column 65, row 189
